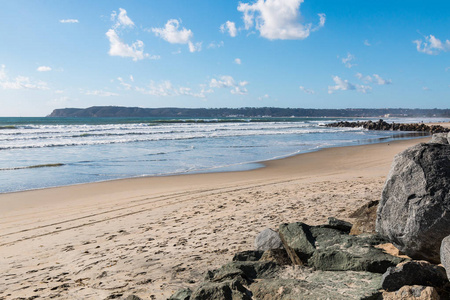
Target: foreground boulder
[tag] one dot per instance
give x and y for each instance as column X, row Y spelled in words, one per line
column 334, row 250
column 413, row 212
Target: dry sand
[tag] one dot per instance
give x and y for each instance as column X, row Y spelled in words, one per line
column 152, row 236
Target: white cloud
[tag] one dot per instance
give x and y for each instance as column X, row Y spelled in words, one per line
column 230, row 27
column 237, row 61
column 266, row 96
column 345, row 85
column 119, row 48
column 347, row 60
column 381, row 81
column 426, row 89
column 366, row 43
column 308, row 91
column 277, row 19
column 375, row 78
column 194, row 47
column 174, row 35
column 44, row 69
column 100, row 93
column 122, row 19
column 69, row 21
column 432, row 45
column 19, row 82
column 127, row 86
column 215, row 45
column 166, row 89
column 229, row 82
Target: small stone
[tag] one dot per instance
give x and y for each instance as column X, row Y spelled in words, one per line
column 268, row 239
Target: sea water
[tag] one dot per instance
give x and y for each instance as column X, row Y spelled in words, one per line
column 46, row 152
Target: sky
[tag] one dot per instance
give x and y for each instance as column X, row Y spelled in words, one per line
column 223, row 53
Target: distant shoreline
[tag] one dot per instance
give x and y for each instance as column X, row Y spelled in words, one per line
column 254, row 112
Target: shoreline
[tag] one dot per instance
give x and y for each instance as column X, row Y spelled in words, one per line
column 251, row 165
column 153, row 235
column 271, row 163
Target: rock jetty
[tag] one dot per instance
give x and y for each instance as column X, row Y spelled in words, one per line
column 383, row 125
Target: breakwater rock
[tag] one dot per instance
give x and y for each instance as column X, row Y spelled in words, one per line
column 383, row 125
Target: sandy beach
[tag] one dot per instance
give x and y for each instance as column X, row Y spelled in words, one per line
column 152, row 236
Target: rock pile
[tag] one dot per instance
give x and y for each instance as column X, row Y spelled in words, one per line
column 339, row 260
column 382, row 125
column 311, row 265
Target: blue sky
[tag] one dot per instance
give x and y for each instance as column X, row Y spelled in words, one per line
column 222, row 53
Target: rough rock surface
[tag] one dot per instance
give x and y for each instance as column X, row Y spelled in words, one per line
column 440, row 138
column 304, row 284
column 365, row 218
column 278, row 256
column 339, row 225
column 290, row 282
column 182, row 294
column 250, row 255
column 445, row 254
column 268, row 239
column 330, row 249
column 413, row 212
column 414, row 273
column 226, row 290
column 415, row 292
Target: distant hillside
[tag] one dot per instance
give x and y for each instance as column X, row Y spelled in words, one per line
column 117, row 111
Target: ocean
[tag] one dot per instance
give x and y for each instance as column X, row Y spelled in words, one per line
column 47, row 152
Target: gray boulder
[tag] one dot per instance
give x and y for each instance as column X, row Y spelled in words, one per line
column 268, row 239
column 440, row 138
column 413, row 213
column 414, row 273
column 445, row 254
column 333, row 250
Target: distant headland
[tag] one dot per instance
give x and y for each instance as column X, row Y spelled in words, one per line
column 250, row 112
